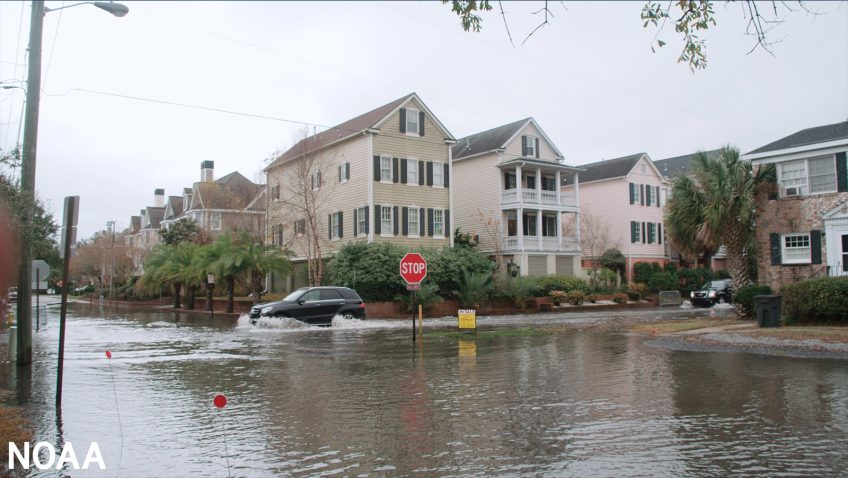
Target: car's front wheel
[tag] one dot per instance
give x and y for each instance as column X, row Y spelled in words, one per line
column 349, row 316
column 721, row 300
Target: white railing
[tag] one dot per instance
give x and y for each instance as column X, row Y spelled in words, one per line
column 568, row 198
column 529, row 195
column 509, row 196
column 549, row 197
column 535, row 243
column 532, row 196
column 550, row 244
column 510, row 243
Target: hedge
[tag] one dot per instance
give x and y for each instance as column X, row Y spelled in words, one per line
column 745, row 297
column 816, row 300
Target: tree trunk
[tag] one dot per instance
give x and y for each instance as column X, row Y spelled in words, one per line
column 177, row 289
column 231, row 285
column 191, row 291
column 209, row 294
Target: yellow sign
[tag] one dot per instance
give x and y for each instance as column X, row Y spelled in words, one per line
column 467, row 348
column 467, row 319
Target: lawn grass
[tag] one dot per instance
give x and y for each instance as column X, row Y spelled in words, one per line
column 13, row 428
column 684, row 325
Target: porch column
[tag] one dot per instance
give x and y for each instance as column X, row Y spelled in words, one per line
column 539, row 185
column 558, row 188
column 519, row 222
column 577, row 232
column 559, row 227
column 539, row 219
column 518, row 187
column 577, row 189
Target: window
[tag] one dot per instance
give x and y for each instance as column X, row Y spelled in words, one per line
column 335, row 220
column 438, row 174
column 529, row 221
column 275, row 192
column 807, row 176
column 549, row 183
column 643, row 168
column 530, row 181
column 637, row 197
column 344, row 172
column 277, row 235
column 412, row 172
column 316, row 180
column 439, row 222
column 413, row 224
column 529, row 146
column 511, row 224
column 386, row 221
column 300, row 227
column 385, row 169
column 651, row 232
column 215, row 221
column 635, row 231
column 361, row 219
column 796, row 249
column 549, row 226
column 509, row 180
column 412, row 122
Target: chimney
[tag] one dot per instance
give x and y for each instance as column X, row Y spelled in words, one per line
column 207, row 169
column 159, row 198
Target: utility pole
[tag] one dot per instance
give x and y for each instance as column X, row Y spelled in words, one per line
column 111, row 226
column 33, row 95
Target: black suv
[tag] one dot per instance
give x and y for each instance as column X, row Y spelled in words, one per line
column 713, row 292
column 313, row 305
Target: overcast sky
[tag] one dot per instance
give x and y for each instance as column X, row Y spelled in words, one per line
column 589, row 78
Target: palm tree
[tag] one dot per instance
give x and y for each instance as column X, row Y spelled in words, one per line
column 222, row 261
column 163, row 266
column 259, row 260
column 721, row 204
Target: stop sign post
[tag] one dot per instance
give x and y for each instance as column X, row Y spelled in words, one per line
column 413, row 270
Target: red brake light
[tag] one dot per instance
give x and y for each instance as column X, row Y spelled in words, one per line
column 362, row 305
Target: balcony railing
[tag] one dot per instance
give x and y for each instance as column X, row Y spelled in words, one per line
column 544, row 243
column 532, row 196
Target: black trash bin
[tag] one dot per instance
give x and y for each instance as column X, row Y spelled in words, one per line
column 767, row 308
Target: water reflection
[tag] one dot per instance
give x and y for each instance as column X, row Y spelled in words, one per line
column 360, row 399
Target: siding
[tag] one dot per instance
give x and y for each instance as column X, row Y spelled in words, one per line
column 477, row 187
column 513, row 149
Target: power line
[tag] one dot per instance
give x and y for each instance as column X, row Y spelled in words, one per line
column 53, row 46
column 14, row 75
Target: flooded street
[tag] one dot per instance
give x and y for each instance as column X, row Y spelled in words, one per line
column 358, row 399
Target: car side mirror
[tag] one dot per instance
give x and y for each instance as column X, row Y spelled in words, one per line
column 300, row 301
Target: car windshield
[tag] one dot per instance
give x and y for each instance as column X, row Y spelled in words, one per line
column 715, row 284
column 295, row 295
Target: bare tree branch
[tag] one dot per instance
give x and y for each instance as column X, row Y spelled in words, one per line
column 500, row 4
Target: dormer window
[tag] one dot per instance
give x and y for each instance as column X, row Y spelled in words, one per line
column 530, row 146
column 412, row 122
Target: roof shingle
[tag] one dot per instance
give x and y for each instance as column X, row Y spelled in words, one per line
column 486, row 141
column 610, row 168
column 818, row 134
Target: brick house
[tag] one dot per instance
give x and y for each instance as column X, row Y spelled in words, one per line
column 802, row 223
column 621, row 206
column 506, row 193
column 383, row 176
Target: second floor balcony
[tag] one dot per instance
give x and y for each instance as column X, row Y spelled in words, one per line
column 537, row 183
column 509, row 198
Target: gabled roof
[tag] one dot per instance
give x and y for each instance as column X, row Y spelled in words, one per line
column 610, row 168
column 233, row 191
column 680, row 165
column 153, row 217
column 818, row 134
column 350, row 128
column 173, row 207
column 496, row 139
column 135, row 224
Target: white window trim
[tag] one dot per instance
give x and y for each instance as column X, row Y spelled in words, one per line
column 361, row 220
column 783, row 259
column 334, row 225
column 441, row 167
column 386, row 178
column 435, row 234
column 212, row 223
column 391, row 228
column 408, row 169
column 417, row 233
column 300, row 233
column 806, row 186
column 530, row 146
column 637, row 195
column 316, row 180
column 342, row 175
column 410, row 113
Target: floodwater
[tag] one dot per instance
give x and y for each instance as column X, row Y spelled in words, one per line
column 359, row 399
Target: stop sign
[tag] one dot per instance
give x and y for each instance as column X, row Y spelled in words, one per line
column 413, row 268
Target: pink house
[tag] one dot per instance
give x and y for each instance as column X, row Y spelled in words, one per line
column 621, row 204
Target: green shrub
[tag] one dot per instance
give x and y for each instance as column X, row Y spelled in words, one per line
column 427, row 295
column 370, row 269
column 636, row 291
column 546, row 284
column 619, row 298
column 592, row 298
column 602, row 281
column 744, row 297
column 575, row 297
column 558, row 296
column 644, row 271
column 693, row 279
column 817, row 300
column 473, row 289
column 613, row 260
column 722, row 274
column 446, row 266
column 519, row 290
column 664, row 281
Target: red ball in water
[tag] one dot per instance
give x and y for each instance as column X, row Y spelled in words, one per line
column 220, row 401
column 108, row 354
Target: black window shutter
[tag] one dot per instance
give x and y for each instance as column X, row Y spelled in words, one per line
column 632, row 191
column 341, row 224
column 355, row 225
column 774, row 245
column 537, row 147
column 395, row 220
column 319, row 178
column 403, row 167
column 376, row 168
column 659, row 233
column 367, row 218
column 447, row 223
column 429, row 173
column 312, row 181
column 395, row 169
column 405, row 216
column 643, row 233
column 421, row 123
column 446, row 176
column 648, row 195
column 430, row 222
column 420, row 173
column 403, row 120
column 524, row 145
column 377, row 220
column 421, row 222
column 347, row 170
column 329, row 226
column 841, row 172
column 815, row 247
column 642, row 194
column 658, row 196
column 340, row 173
column 632, row 231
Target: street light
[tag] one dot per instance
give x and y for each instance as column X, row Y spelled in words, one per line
column 33, row 95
